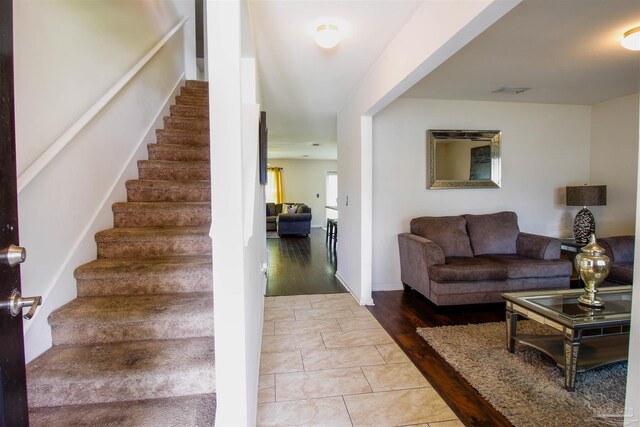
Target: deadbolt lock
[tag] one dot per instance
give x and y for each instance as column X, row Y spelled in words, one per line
column 13, row 255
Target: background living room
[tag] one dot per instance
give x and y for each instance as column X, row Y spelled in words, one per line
column 300, row 263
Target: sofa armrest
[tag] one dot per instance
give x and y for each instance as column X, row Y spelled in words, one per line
column 417, row 254
column 294, row 217
column 537, row 247
column 618, row 248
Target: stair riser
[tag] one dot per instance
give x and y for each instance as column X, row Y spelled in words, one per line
column 188, row 111
column 175, row 383
column 184, row 283
column 196, row 101
column 177, row 173
column 169, row 195
column 195, row 139
column 187, row 327
column 192, row 91
column 177, row 152
column 182, row 123
column 184, row 217
column 198, row 245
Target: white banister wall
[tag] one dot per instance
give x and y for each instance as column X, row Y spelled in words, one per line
column 80, row 51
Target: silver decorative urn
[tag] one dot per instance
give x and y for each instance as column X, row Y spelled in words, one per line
column 593, row 266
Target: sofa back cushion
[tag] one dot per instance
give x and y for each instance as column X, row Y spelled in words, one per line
column 493, row 233
column 302, row 208
column 448, row 232
column 271, row 209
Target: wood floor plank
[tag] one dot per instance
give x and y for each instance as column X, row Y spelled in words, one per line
column 301, row 266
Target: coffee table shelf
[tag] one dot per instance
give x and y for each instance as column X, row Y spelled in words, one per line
column 587, row 337
column 594, row 352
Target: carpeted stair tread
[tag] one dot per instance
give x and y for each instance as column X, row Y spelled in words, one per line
column 194, row 91
column 81, row 374
column 139, row 276
column 178, row 152
column 171, row 169
column 149, row 233
column 195, row 411
column 200, row 84
column 198, row 101
column 132, row 317
column 139, row 190
column 189, row 111
column 151, row 242
column 183, row 136
column 161, row 214
column 186, row 123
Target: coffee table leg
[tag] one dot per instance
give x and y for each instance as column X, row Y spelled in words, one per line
column 571, row 350
column 512, row 321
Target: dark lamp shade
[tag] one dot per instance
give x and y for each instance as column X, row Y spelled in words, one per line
column 587, row 195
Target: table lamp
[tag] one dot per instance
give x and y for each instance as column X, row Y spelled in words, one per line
column 584, row 224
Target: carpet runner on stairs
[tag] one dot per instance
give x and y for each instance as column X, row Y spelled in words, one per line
column 136, row 347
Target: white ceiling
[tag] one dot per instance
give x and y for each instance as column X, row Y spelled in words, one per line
column 566, row 51
column 303, row 85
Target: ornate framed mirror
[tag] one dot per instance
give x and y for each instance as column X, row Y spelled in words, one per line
column 463, row 159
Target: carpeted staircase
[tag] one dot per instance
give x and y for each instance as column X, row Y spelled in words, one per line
column 136, row 347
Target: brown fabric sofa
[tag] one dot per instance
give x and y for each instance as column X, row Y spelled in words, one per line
column 472, row 259
column 620, row 250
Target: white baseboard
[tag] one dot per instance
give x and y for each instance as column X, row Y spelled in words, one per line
column 361, row 301
column 387, row 287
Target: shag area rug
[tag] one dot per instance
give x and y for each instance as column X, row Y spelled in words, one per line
column 272, row 235
column 527, row 387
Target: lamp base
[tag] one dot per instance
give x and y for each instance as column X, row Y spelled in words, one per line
column 584, row 225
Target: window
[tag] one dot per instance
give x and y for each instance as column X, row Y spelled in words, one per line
column 331, row 196
column 273, row 189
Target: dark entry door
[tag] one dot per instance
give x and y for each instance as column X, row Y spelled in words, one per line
column 13, row 385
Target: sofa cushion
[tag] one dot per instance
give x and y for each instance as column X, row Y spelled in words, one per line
column 271, row 209
column 467, row 269
column 621, row 272
column 494, row 233
column 448, row 232
column 519, row 267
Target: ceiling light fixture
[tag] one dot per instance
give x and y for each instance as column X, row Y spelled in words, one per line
column 327, row 36
column 631, row 39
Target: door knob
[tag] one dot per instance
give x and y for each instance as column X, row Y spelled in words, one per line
column 13, row 255
column 17, row 302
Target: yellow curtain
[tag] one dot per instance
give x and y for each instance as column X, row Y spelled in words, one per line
column 275, row 194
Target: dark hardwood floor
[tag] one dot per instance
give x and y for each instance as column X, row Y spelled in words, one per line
column 401, row 312
column 301, row 266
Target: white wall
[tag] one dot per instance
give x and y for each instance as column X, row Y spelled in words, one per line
column 544, row 149
column 302, row 180
column 68, row 54
column 614, row 163
column 238, row 214
column 434, row 32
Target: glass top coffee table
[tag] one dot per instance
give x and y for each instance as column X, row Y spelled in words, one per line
column 586, row 338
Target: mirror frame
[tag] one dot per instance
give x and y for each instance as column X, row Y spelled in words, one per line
column 493, row 137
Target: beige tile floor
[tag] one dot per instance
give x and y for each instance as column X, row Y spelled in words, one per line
column 327, row 361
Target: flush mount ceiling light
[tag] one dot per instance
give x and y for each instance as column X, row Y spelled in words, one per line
column 327, row 36
column 631, row 39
